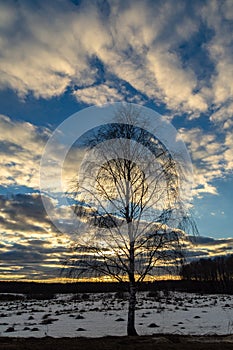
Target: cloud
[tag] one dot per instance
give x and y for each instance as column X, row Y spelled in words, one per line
column 209, row 158
column 24, row 213
column 21, row 144
column 228, row 155
column 218, row 17
column 175, row 82
column 207, row 247
column 89, row 46
column 220, row 48
column 176, row 53
column 21, row 148
column 98, row 95
column 31, row 246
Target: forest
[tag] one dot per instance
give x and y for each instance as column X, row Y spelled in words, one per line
column 217, row 269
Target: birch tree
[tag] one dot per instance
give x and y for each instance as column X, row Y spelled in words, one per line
column 128, row 201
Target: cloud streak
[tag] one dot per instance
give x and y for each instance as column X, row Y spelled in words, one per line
column 31, row 246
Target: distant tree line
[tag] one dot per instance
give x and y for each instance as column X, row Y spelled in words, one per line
column 218, row 269
column 41, row 291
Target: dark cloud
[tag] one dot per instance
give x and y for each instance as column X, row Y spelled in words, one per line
column 22, row 216
column 203, row 247
column 201, row 240
column 192, row 254
column 17, row 256
column 7, row 148
column 23, row 213
column 209, row 241
column 32, row 259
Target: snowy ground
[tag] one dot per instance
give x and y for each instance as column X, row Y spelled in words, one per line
column 97, row 315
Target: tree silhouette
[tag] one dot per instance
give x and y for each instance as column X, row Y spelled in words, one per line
column 132, row 217
column 217, row 269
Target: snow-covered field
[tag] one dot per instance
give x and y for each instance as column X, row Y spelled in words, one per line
column 97, row 315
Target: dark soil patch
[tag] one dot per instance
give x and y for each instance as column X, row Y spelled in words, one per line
column 161, row 342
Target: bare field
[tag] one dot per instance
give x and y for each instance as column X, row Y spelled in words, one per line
column 161, row 342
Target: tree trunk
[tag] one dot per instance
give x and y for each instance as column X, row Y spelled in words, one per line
column 131, row 311
column 132, row 294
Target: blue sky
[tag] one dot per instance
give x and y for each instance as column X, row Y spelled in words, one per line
column 58, row 57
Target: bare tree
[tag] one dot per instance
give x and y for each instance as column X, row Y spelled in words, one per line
column 132, row 216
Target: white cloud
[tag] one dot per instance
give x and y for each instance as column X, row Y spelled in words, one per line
column 175, row 82
column 229, row 151
column 21, row 147
column 223, row 115
column 220, row 48
column 60, row 45
column 98, row 95
column 209, row 158
column 134, row 42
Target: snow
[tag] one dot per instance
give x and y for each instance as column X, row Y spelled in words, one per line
column 98, row 315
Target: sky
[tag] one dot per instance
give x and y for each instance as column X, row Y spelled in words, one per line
column 59, row 57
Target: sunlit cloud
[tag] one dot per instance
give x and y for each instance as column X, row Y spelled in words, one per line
column 21, row 147
column 127, row 41
column 211, row 158
column 98, row 95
